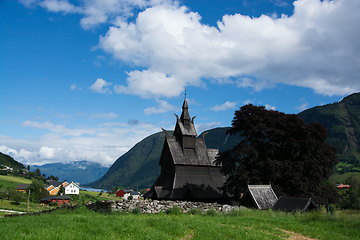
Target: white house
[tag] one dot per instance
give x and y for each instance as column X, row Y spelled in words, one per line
column 72, row 188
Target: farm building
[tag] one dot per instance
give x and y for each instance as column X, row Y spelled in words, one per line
column 259, row 196
column 58, row 199
column 127, row 193
column 291, row 204
column 21, row 187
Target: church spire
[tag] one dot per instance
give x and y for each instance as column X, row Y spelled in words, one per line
column 185, row 116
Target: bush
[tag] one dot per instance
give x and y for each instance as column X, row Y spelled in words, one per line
column 136, row 211
column 173, row 211
column 195, row 211
column 212, row 212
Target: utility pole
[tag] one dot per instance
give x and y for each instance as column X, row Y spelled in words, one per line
column 27, row 207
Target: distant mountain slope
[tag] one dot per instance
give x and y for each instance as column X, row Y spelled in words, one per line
column 78, row 171
column 6, row 160
column 342, row 119
column 139, row 167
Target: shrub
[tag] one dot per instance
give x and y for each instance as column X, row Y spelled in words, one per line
column 212, row 212
column 136, row 211
column 195, row 211
column 173, row 211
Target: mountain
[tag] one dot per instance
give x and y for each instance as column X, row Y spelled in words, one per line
column 8, row 161
column 342, row 120
column 78, row 171
column 139, row 167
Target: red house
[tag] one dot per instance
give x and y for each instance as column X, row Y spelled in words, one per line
column 120, row 193
column 58, row 199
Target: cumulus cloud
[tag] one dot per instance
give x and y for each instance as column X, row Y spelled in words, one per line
column 226, row 106
column 108, row 142
column 163, row 107
column 311, row 48
column 317, row 47
column 100, row 86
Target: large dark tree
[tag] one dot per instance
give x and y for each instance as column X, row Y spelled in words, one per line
column 280, row 149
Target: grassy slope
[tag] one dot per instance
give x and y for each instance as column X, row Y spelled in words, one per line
column 84, row 224
column 11, row 181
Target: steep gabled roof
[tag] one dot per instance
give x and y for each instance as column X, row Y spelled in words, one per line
column 291, row 204
column 200, row 156
column 261, row 196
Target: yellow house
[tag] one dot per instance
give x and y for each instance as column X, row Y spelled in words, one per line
column 54, row 186
column 22, row 187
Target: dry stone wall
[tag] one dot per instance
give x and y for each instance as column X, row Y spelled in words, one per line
column 155, row 206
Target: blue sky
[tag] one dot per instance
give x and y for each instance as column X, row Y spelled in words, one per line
column 86, row 80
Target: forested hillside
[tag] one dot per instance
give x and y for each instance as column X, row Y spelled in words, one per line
column 342, row 119
column 8, row 161
column 139, row 167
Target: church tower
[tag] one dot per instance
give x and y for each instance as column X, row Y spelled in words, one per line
column 188, row 171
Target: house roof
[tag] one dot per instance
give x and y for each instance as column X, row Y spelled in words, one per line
column 73, row 184
column 54, row 183
column 63, row 197
column 263, row 196
column 291, row 204
column 22, row 186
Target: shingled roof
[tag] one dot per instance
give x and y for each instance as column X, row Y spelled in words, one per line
column 291, row 204
column 188, row 170
column 259, row 196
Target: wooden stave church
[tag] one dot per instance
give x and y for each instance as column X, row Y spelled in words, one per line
column 188, row 171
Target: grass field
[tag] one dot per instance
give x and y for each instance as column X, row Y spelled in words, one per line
column 244, row 224
column 340, row 178
column 11, row 181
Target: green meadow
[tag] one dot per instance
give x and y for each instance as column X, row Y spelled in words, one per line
column 12, row 181
column 82, row 223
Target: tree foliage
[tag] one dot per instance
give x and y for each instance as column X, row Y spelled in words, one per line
column 280, row 149
column 37, row 190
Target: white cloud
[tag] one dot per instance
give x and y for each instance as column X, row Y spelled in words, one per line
column 108, row 142
column 104, row 115
column 246, row 102
column 302, row 107
column 311, row 48
column 95, row 11
column 206, row 126
column 47, row 153
column 59, row 6
column 101, row 86
column 317, row 47
column 226, row 106
column 164, row 106
column 73, row 87
column 269, row 107
column 59, row 129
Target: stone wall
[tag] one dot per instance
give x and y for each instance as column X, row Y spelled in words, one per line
column 155, row 206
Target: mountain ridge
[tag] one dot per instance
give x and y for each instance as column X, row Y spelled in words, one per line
column 342, row 119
